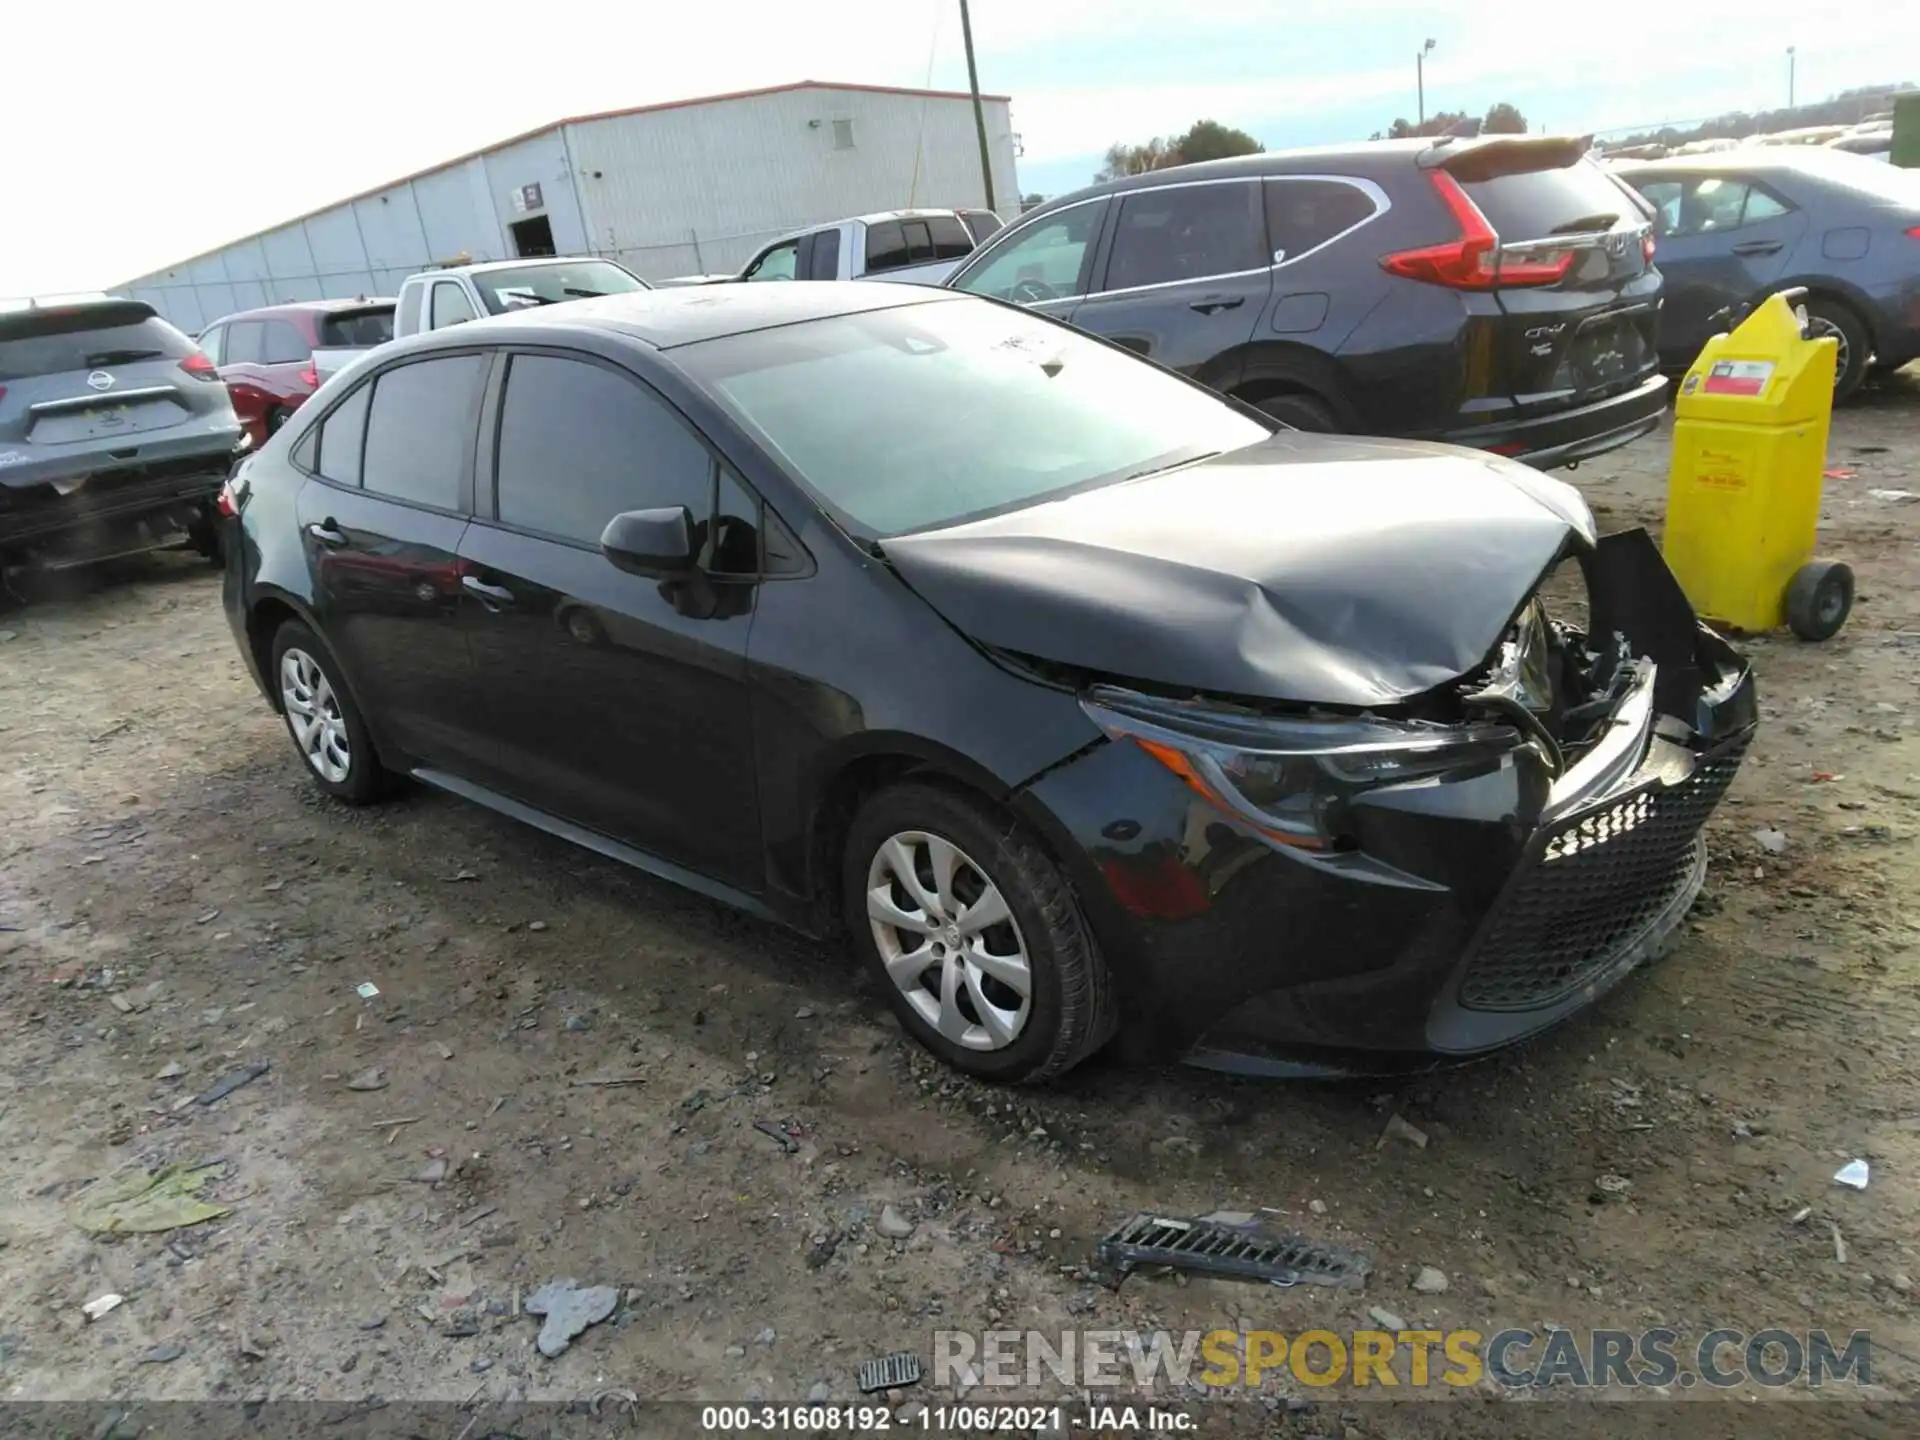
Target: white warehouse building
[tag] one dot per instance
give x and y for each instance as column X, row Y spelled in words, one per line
column 688, row 187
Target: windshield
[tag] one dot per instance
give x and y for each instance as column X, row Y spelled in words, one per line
column 348, row 328
column 925, row 415
column 52, row 342
column 550, row 282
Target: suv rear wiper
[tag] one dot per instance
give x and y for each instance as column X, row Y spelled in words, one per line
column 582, row 294
column 122, row 357
column 1600, row 220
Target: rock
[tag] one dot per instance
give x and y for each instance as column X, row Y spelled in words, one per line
column 1399, row 1129
column 537, row 926
column 1318, row 1207
column 164, row 1354
column 370, row 1079
column 805, row 1012
column 1386, row 1319
column 820, row 1393
column 734, row 1352
column 579, row 1024
column 434, row 1173
column 766, row 1336
column 1430, row 1281
column 568, row 1310
column 173, row 1071
column 894, row 1225
column 1901, row 1281
column 1613, row 1184
column 481, row 1366
column 1774, row 842
column 373, row 1322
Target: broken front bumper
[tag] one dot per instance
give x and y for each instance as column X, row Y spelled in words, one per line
column 1477, row 911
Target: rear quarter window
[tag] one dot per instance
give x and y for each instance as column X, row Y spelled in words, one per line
column 52, row 343
column 1534, row 203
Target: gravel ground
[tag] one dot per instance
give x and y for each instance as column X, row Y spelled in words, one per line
column 176, row 901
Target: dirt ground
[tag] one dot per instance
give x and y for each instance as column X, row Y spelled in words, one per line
column 176, row 901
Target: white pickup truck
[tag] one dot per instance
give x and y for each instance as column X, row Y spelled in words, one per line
column 453, row 294
column 917, row 246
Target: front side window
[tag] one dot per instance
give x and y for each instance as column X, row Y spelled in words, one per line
column 964, row 409
column 1045, row 259
column 210, row 343
column 551, row 282
column 1187, row 232
column 420, row 430
column 450, row 306
column 1303, row 215
column 777, row 264
column 825, row 264
column 581, row 443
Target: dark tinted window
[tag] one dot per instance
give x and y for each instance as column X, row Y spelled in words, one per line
column 210, row 343
column 981, row 222
column 886, row 246
column 1537, row 203
column 1187, row 232
column 950, row 237
column 825, row 264
column 357, row 328
column 420, row 431
column 282, row 344
column 580, row 443
column 1303, row 215
column 919, row 241
column 410, row 299
column 449, row 306
column 50, row 342
column 339, row 439
column 246, row 341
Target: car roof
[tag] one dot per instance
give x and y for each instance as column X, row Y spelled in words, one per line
column 311, row 307
column 685, row 315
column 1748, row 159
column 521, row 262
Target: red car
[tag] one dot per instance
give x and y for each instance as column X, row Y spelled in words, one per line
column 266, row 355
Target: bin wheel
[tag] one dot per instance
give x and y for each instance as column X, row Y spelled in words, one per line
column 1819, row 599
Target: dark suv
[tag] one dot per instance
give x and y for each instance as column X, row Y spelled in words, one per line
column 115, row 435
column 1497, row 293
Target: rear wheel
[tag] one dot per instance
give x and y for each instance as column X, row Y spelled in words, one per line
column 1831, row 318
column 974, row 936
column 276, row 418
column 326, row 727
column 1300, row 412
column 1819, row 599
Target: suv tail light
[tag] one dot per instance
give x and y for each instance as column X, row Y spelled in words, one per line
column 1646, row 247
column 200, row 367
column 1914, row 231
column 233, row 495
column 1474, row 261
column 310, row 377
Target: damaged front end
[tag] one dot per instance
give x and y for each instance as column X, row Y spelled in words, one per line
column 1449, row 874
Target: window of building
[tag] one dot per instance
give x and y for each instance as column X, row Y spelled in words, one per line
column 843, row 134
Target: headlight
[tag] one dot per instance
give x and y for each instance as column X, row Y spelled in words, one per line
column 1290, row 779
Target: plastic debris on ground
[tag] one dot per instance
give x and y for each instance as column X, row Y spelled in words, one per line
column 97, row 1307
column 366, row 990
column 232, row 1081
column 1853, row 1174
column 142, row 1204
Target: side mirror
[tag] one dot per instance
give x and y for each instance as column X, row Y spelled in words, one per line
column 654, row 543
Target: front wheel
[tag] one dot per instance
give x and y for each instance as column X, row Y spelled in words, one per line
column 974, row 935
column 1299, row 412
column 326, row 727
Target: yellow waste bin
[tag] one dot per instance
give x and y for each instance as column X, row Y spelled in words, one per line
column 1743, row 495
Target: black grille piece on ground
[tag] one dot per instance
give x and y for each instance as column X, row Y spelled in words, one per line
column 1212, row 1248
column 889, row 1372
column 1589, row 889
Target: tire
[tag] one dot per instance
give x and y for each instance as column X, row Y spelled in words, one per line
column 276, row 418
column 982, row 1025
column 1299, row 412
column 342, row 763
column 1819, row 599
column 1831, row 317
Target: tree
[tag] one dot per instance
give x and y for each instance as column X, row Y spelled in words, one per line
column 1125, row 159
column 1504, row 119
column 1210, row 140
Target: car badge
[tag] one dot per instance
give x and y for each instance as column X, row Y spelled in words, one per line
column 100, row 380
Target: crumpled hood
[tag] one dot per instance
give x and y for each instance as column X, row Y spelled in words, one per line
column 1307, row 568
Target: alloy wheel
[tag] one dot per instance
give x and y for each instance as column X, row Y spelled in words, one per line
column 313, row 715
column 1819, row 328
column 948, row 940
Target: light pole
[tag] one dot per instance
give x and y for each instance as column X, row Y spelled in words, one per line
column 1420, row 78
column 979, row 116
column 1790, row 62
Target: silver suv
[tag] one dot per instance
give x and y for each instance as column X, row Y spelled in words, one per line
column 116, row 434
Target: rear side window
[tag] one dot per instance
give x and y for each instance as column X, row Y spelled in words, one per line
column 282, row 344
column 580, row 443
column 919, row 241
column 950, row 237
column 420, row 430
column 339, row 438
column 1187, row 232
column 886, row 246
column 1303, row 215
column 825, row 264
column 53, row 342
column 351, row 328
column 1533, row 204
column 410, row 298
column 1709, row 205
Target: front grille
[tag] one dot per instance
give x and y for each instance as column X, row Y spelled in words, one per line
column 1590, row 887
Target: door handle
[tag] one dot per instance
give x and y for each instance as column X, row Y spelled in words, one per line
column 491, row 596
column 1208, row 304
column 327, row 533
column 1756, row 247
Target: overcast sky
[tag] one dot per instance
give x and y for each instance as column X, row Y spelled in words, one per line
column 139, row 133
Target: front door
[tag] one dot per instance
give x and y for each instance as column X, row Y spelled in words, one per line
column 1045, row 263
column 619, row 702
column 381, row 523
column 1187, row 277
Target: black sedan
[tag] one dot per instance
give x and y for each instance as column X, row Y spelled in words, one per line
column 1084, row 700
column 1735, row 226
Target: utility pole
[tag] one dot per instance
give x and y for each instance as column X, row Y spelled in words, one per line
column 1419, row 78
column 1790, row 63
column 979, row 115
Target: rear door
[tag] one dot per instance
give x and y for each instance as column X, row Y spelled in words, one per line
column 381, row 520
column 1187, row 277
column 1576, row 315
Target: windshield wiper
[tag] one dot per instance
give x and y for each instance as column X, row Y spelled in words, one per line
column 121, row 357
column 583, row 294
column 1599, row 220
column 1170, row 465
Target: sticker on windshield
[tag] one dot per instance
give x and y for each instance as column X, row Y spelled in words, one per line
column 1739, row 377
